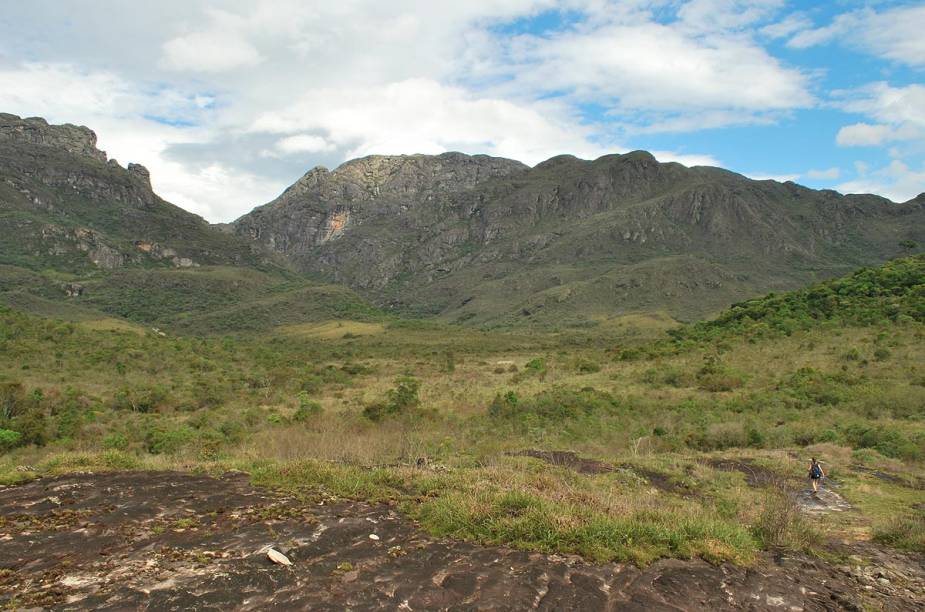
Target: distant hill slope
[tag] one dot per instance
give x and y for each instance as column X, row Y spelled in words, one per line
column 83, row 237
column 893, row 292
column 491, row 241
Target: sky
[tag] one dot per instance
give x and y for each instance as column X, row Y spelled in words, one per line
column 229, row 102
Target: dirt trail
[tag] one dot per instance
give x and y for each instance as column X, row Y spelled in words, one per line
column 170, row 541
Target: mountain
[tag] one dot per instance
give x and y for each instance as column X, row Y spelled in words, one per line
column 83, row 237
column 492, row 241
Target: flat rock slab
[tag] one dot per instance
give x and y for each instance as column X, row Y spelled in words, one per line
column 172, row 541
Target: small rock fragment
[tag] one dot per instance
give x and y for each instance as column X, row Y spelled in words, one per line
column 277, row 557
column 373, row 536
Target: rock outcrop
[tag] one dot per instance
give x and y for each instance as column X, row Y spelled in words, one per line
column 78, row 140
column 489, row 240
column 67, row 206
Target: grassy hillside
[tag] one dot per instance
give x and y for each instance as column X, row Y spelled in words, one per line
column 203, row 300
column 700, row 451
column 894, row 292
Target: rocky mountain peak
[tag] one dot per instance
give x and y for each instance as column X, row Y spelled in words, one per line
column 141, row 172
column 78, row 140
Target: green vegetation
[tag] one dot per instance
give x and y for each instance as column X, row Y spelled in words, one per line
column 433, row 417
column 894, row 292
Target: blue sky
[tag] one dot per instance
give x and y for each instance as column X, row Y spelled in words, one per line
column 228, row 102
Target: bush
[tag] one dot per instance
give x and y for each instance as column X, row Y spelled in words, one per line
column 161, row 440
column 115, row 441
column 399, row 400
column 558, row 404
column 889, row 441
column 33, row 425
column 12, row 399
column 140, row 399
column 715, row 377
column 586, row 366
column 307, row 409
column 9, row 439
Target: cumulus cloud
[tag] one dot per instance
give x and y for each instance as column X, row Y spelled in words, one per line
column 424, row 116
column 898, row 111
column 896, row 181
column 640, row 63
column 894, row 34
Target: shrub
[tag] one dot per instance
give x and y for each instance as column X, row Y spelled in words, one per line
column 853, row 354
column 889, row 441
column 399, row 400
column 9, row 439
column 715, row 377
column 33, row 426
column 307, row 409
column 141, row 399
column 162, row 440
column 115, row 441
column 882, row 354
column 557, row 404
column 12, row 399
column 586, row 366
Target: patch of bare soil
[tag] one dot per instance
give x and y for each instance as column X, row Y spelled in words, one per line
column 567, row 459
column 171, row 541
column 918, row 484
column 755, row 475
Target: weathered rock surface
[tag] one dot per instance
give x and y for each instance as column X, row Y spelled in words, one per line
column 78, row 140
column 168, row 541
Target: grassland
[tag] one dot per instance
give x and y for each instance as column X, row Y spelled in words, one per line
column 433, row 417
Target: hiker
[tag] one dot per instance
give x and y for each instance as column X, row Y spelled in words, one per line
column 815, row 473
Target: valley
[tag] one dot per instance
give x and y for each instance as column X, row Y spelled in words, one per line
column 611, row 375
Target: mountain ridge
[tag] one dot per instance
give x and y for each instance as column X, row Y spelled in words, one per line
column 710, row 227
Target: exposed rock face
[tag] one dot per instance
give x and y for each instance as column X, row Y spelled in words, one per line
column 141, row 172
column 78, row 140
column 110, row 541
column 484, row 239
column 322, row 205
column 66, row 206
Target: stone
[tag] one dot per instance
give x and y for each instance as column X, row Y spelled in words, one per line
column 277, row 557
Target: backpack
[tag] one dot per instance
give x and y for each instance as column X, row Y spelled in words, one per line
column 815, row 471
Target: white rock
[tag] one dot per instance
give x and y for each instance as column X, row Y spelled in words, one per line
column 373, row 536
column 277, row 557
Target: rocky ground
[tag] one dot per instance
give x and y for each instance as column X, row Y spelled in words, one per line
column 171, row 541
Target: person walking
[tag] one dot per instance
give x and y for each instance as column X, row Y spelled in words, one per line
column 815, row 474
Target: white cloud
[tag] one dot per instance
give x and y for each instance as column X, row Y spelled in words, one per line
column 652, row 66
column 687, row 159
column 899, row 111
column 829, row 174
column 303, row 143
column 896, row 181
column 795, row 22
column 423, row 116
column 894, row 34
column 221, row 47
column 863, row 135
